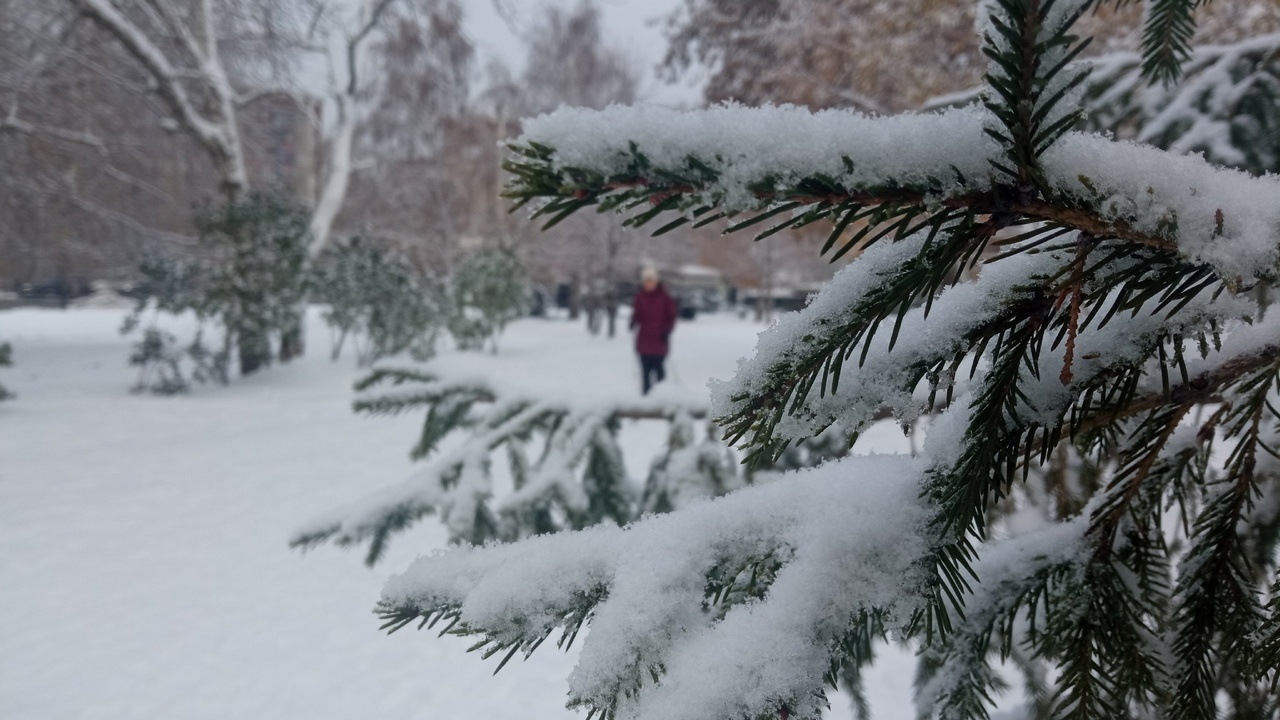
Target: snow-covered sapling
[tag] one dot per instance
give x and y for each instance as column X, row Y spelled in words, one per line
column 171, row 286
column 379, row 300
column 248, row 279
column 487, row 290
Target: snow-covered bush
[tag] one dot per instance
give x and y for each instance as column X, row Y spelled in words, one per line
column 249, row 281
column 563, row 457
column 166, row 367
column 377, row 299
column 1114, row 322
column 256, row 279
column 486, row 292
column 172, row 286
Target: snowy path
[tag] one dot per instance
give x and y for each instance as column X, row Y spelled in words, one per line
column 143, row 565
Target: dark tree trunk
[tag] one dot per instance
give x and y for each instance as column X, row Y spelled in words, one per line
column 292, row 340
column 255, row 351
column 575, row 297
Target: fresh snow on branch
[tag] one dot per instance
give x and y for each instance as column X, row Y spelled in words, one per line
column 1107, row 301
column 886, row 377
column 838, row 539
column 564, row 459
column 1184, row 204
column 891, row 372
column 750, row 151
column 1224, row 106
column 1226, row 218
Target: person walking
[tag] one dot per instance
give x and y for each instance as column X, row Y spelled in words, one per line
column 653, row 317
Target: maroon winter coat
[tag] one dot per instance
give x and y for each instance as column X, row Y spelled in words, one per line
column 653, row 312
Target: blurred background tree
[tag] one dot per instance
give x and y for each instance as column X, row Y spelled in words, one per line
column 383, row 120
column 882, row 57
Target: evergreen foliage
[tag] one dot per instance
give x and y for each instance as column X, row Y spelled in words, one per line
column 486, row 292
column 1225, row 105
column 249, row 282
column 257, row 278
column 563, row 459
column 172, row 286
column 165, row 367
column 377, row 298
column 1109, row 370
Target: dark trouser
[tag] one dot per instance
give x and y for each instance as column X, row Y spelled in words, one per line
column 651, row 365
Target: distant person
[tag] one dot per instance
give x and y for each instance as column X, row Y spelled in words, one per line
column 653, row 316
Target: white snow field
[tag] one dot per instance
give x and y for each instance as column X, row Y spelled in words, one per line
column 144, row 567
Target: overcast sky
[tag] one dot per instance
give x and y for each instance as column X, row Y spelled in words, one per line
column 633, row 26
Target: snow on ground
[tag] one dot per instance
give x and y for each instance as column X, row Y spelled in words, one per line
column 144, row 571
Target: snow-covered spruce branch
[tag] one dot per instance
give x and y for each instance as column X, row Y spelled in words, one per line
column 1223, row 106
column 564, row 460
column 895, row 174
column 792, row 563
column 724, row 610
column 1012, row 160
column 514, row 597
column 833, row 346
column 1108, row 324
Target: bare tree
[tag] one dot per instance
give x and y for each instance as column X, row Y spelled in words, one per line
column 877, row 56
column 570, row 63
column 81, row 156
column 180, row 50
column 215, row 74
column 181, row 46
column 419, row 151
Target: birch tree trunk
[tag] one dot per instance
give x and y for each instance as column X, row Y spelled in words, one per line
column 339, row 166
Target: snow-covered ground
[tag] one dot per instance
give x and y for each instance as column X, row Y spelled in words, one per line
column 144, row 571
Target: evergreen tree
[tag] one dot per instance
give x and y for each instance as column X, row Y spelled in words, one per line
column 1109, row 359
column 249, row 281
column 172, row 286
column 378, row 299
column 257, row 279
column 689, row 469
column 486, row 292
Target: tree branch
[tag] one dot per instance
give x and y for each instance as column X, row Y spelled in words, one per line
column 219, row 137
column 15, row 125
column 353, row 45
